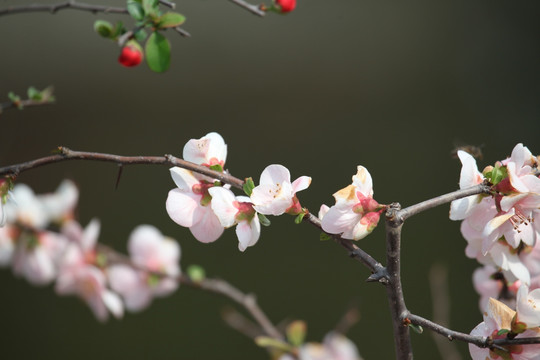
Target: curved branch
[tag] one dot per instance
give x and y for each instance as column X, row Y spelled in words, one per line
column 217, row 286
column 67, row 154
column 479, row 341
column 53, row 8
column 378, row 270
column 443, row 199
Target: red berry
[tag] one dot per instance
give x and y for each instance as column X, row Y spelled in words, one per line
column 286, row 5
column 130, row 56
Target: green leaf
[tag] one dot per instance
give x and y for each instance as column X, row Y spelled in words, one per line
column 141, row 35
column 325, row 237
column 151, row 7
column 15, row 99
column 299, row 218
column 104, row 28
column 135, row 9
column 417, row 328
column 217, row 168
column 263, row 219
column 158, row 52
column 268, row 342
column 296, row 332
column 34, row 94
column 249, row 185
column 118, row 30
column 170, row 19
column 196, row 273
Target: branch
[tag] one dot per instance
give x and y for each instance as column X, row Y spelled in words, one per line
column 480, row 341
column 443, row 199
column 254, row 9
column 24, row 103
column 394, row 290
column 53, row 8
column 67, row 154
column 217, row 286
column 378, row 271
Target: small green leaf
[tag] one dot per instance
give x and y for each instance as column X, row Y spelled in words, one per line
column 170, row 19
column 325, row 237
column 158, row 52
column 263, row 219
column 119, row 29
column 217, row 168
column 417, row 328
column 249, row 185
column 136, row 10
column 141, row 35
column 268, row 342
column 151, row 7
column 15, row 99
column 33, row 93
column 299, row 218
column 296, row 332
column 196, row 273
column 103, row 28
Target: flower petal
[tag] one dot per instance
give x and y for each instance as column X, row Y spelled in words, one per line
column 222, row 204
column 182, row 207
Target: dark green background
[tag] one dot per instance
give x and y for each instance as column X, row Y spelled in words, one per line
column 391, row 85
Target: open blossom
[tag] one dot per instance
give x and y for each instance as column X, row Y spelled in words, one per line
column 499, row 317
column 38, row 211
column 527, row 308
column 470, row 176
column 36, row 256
column 335, row 346
column 275, row 194
column 148, row 249
column 189, row 205
column 79, row 275
column 355, row 213
column 236, row 210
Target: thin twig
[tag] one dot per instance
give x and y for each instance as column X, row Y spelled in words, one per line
column 254, row 9
column 443, row 199
column 240, row 323
column 182, row 32
column 24, row 103
column 378, row 271
column 67, row 154
column 480, row 341
column 53, row 8
column 217, row 286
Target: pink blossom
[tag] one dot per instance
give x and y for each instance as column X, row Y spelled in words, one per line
column 355, row 213
column 470, row 176
column 79, row 275
column 189, row 204
column 528, row 307
column 238, row 210
column 8, row 237
column 36, row 256
column 335, row 346
column 499, row 317
column 150, row 250
column 209, row 150
column 275, row 194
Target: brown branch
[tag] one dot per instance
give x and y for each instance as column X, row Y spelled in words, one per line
column 443, row 199
column 254, row 9
column 67, row 154
column 480, row 341
column 53, row 8
column 23, row 104
column 378, row 270
column 217, row 286
column 394, row 290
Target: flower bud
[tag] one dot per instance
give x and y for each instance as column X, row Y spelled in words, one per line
column 131, row 55
column 286, row 5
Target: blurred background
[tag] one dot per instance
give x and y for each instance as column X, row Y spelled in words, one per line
column 390, row 85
